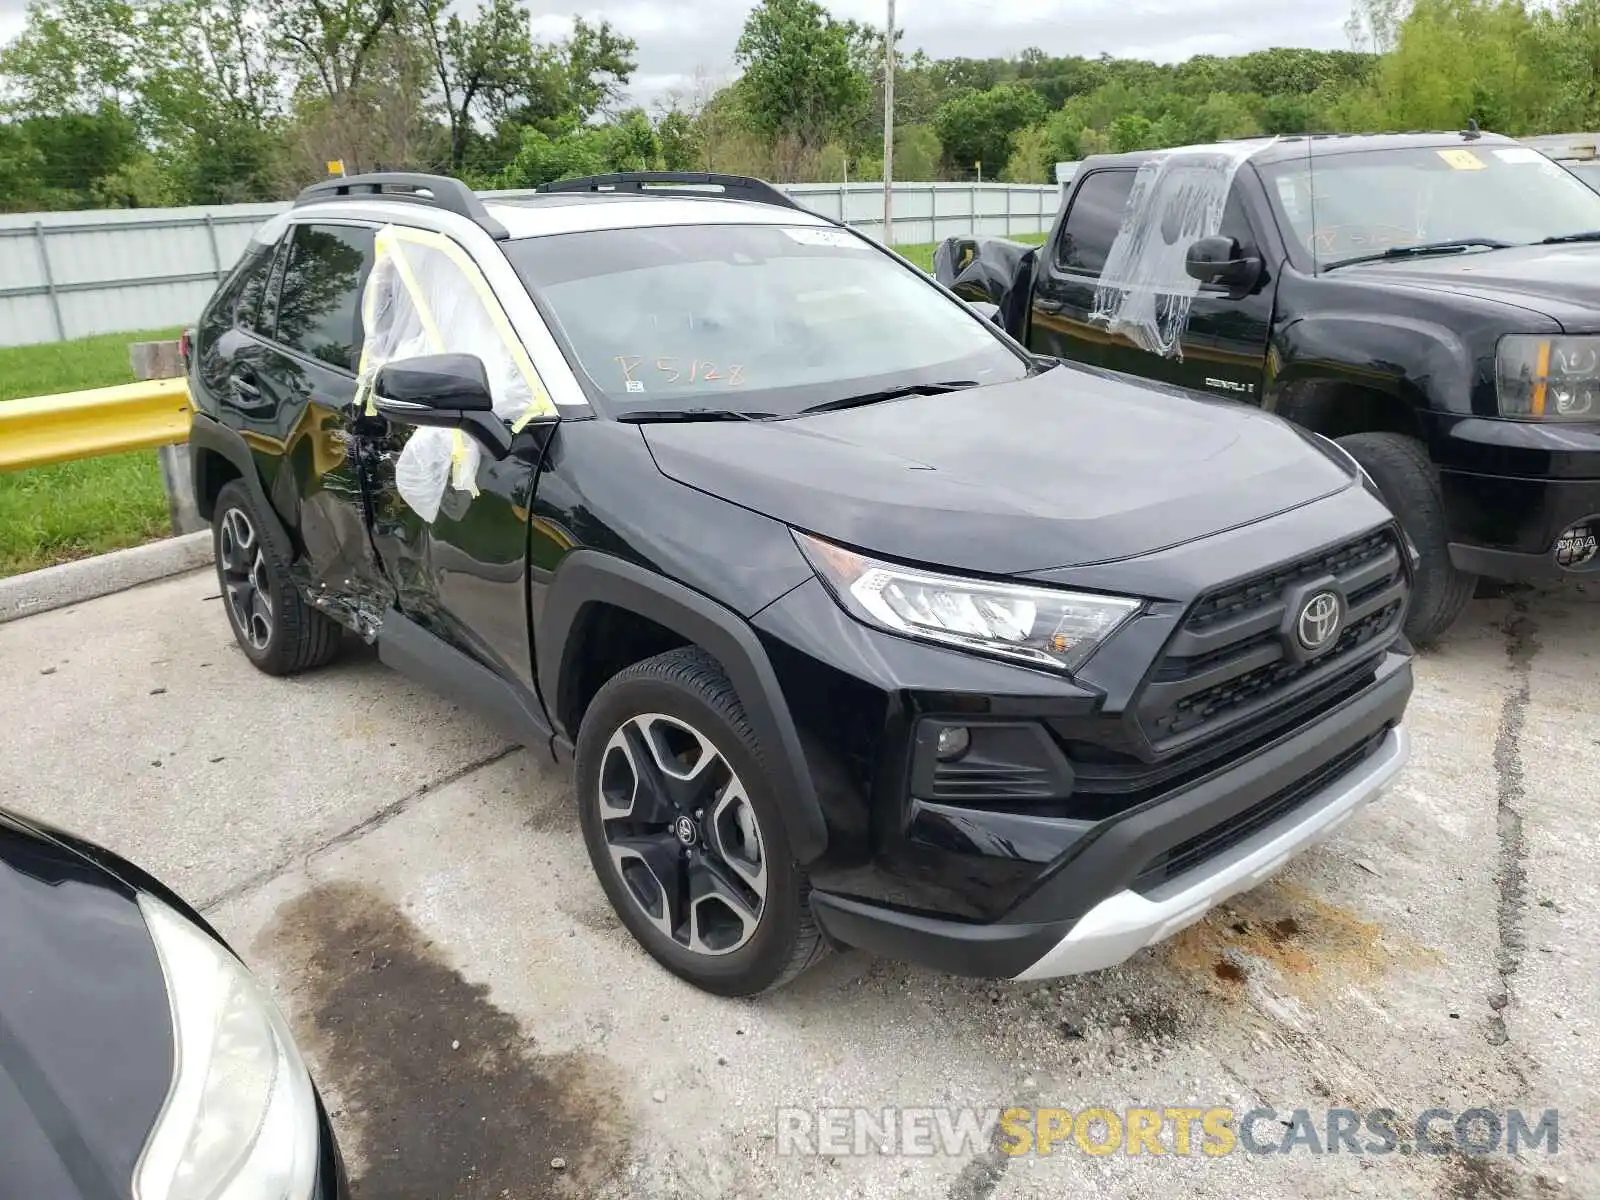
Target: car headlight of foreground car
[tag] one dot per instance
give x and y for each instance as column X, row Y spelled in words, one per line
column 1044, row 627
column 1548, row 378
column 240, row 1120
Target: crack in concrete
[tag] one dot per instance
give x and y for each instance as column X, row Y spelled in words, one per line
column 983, row 1172
column 366, row 825
column 1511, row 791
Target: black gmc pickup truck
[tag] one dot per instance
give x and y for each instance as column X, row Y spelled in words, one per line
column 1429, row 301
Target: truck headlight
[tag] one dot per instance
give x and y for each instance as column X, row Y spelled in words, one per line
column 1044, row 627
column 240, row 1119
column 1548, row 378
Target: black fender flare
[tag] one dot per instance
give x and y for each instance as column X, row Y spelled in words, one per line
column 1420, row 364
column 208, row 435
column 587, row 577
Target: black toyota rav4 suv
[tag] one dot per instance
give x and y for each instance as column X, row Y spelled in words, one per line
column 863, row 625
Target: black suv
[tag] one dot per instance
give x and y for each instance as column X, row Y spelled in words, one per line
column 863, row 625
column 1428, row 300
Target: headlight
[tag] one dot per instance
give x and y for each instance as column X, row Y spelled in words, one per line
column 1549, row 378
column 1045, row 627
column 240, row 1121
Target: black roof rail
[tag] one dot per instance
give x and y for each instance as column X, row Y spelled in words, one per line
column 438, row 191
column 675, row 183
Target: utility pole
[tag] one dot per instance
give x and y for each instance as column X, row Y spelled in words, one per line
column 888, row 130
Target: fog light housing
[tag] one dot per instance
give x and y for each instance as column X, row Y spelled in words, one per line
column 1578, row 544
column 953, row 741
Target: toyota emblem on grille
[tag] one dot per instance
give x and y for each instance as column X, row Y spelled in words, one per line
column 1319, row 621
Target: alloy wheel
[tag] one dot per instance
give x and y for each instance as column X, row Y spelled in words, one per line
column 243, row 566
column 682, row 834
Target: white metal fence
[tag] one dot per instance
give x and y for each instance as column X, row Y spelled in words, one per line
column 66, row 275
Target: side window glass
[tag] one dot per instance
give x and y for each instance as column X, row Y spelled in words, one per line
column 1235, row 222
column 319, row 304
column 252, row 287
column 1093, row 221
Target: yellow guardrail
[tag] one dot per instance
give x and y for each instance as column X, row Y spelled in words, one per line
column 40, row 430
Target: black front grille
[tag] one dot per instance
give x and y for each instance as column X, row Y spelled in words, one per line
column 1229, row 662
column 1200, row 707
column 1218, row 606
column 1187, row 855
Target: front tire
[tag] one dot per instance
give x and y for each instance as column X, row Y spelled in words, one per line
column 1406, row 476
column 683, row 829
column 277, row 630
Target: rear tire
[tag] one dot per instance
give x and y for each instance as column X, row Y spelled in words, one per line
column 682, row 826
column 277, row 630
column 1406, row 476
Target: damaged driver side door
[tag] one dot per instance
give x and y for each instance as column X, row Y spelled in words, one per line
column 450, row 515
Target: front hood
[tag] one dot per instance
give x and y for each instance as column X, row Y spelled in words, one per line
column 85, row 1028
column 1066, row 468
column 1562, row 282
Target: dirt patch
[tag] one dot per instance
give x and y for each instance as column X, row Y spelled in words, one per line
column 1156, row 1022
column 443, row 1094
column 1469, row 1177
column 1301, row 938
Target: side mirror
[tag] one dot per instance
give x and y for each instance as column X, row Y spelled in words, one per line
column 1220, row 260
column 449, row 391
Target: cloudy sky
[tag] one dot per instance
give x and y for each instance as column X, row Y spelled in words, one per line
column 672, row 50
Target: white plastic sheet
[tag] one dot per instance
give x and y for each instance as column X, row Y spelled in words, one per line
column 1145, row 291
column 425, row 295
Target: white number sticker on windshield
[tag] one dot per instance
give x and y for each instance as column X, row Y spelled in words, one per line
column 837, row 238
column 1520, row 154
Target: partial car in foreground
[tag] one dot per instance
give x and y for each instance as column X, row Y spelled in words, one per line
column 139, row 1059
column 864, row 625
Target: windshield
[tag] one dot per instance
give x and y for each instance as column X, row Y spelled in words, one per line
column 1344, row 206
column 760, row 319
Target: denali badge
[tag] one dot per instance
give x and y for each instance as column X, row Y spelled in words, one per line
column 1319, row 621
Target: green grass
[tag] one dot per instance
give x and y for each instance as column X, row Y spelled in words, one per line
column 52, row 514
column 922, row 254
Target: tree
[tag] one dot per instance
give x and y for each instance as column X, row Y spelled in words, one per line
column 916, row 152
column 331, row 44
column 480, row 61
column 976, row 127
column 680, row 141
column 1030, row 160
column 799, row 81
column 597, row 63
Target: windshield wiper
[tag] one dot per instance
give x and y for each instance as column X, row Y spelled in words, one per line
column 1453, row 246
column 641, row 416
column 1588, row 235
column 910, row 389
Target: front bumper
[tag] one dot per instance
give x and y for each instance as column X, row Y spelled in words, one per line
column 1100, row 901
column 1127, row 922
column 1512, row 488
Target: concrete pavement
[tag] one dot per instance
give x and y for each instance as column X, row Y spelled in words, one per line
column 418, row 894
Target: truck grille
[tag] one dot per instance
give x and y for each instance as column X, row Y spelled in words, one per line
column 1229, row 663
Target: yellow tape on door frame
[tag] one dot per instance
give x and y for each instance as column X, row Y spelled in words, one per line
column 387, row 245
